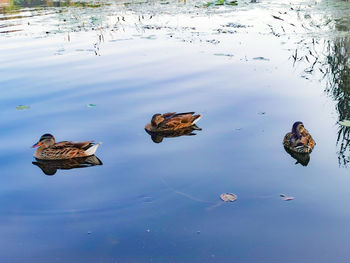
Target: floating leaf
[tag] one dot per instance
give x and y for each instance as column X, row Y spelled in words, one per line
column 286, row 198
column 91, row 105
column 228, row 197
column 22, row 107
column 345, row 123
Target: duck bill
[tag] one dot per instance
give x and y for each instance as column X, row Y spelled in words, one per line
column 37, row 144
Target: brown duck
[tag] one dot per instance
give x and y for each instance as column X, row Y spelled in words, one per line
column 50, row 150
column 299, row 139
column 157, row 137
column 172, row 121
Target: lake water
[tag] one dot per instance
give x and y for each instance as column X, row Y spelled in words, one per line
column 100, row 70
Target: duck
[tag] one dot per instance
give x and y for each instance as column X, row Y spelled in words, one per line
column 50, row 150
column 299, row 139
column 157, row 137
column 172, row 121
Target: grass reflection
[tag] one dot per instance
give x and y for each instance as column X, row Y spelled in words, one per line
column 13, row 5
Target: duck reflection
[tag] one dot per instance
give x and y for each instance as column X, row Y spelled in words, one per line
column 50, row 167
column 157, row 137
column 172, row 124
column 302, row 158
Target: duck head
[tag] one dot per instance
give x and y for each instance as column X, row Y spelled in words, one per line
column 156, row 119
column 298, row 129
column 46, row 140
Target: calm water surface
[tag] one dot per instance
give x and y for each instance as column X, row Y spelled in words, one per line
column 250, row 74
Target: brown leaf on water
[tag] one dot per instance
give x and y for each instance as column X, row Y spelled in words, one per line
column 228, row 197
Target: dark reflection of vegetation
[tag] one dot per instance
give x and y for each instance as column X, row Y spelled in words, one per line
column 302, row 158
column 12, row 5
column 331, row 59
column 50, row 167
column 338, row 77
column 157, row 137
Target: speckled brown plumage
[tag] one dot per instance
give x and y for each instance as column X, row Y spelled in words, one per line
column 172, row 121
column 50, row 150
column 299, row 139
column 158, row 137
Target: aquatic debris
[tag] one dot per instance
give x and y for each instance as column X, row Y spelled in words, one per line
column 286, row 198
column 278, row 18
column 235, row 25
column 221, row 2
column 152, row 27
column 212, row 41
column 224, row 31
column 261, row 58
column 228, row 197
column 10, row 31
column 91, row 105
column 345, row 123
column 23, row 107
column 223, row 55
column 150, row 37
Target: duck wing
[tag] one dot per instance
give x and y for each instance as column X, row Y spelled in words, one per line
column 179, row 121
column 287, row 140
column 59, row 152
column 310, row 141
column 168, row 115
column 170, row 124
column 79, row 145
column 303, row 145
column 185, row 113
column 66, row 150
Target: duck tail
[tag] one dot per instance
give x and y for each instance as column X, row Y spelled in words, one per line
column 91, row 150
column 196, row 118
